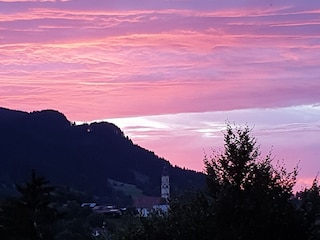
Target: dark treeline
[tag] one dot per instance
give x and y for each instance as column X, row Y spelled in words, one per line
column 44, row 212
column 247, row 198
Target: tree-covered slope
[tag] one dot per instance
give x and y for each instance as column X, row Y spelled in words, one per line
column 83, row 156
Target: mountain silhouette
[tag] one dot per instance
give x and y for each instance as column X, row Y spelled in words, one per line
column 95, row 158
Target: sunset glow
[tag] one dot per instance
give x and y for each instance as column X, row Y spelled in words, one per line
column 170, row 73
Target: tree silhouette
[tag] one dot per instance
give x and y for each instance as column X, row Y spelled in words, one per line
column 30, row 215
column 251, row 197
column 309, row 208
column 247, row 198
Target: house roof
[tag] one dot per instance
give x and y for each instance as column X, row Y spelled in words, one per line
column 90, row 205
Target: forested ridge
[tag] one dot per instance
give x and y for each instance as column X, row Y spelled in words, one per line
column 84, row 157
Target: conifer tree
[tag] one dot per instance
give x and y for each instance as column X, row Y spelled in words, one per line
column 251, row 196
column 30, row 215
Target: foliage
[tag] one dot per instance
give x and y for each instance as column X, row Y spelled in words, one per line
column 190, row 217
column 42, row 212
column 78, row 223
column 241, row 167
column 251, row 197
column 130, row 228
column 29, row 216
column 309, row 208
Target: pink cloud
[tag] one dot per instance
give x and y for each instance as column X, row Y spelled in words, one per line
column 16, row 1
column 106, row 59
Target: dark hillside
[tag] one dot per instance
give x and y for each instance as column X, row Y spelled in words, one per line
column 83, row 156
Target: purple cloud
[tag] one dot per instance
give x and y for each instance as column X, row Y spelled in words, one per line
column 123, row 58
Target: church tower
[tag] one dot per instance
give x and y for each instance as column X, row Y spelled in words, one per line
column 165, row 185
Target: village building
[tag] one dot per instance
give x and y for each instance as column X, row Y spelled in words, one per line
column 146, row 204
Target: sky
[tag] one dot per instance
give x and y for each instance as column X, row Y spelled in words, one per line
column 171, row 73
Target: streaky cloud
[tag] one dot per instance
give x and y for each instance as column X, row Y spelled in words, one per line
column 189, row 64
